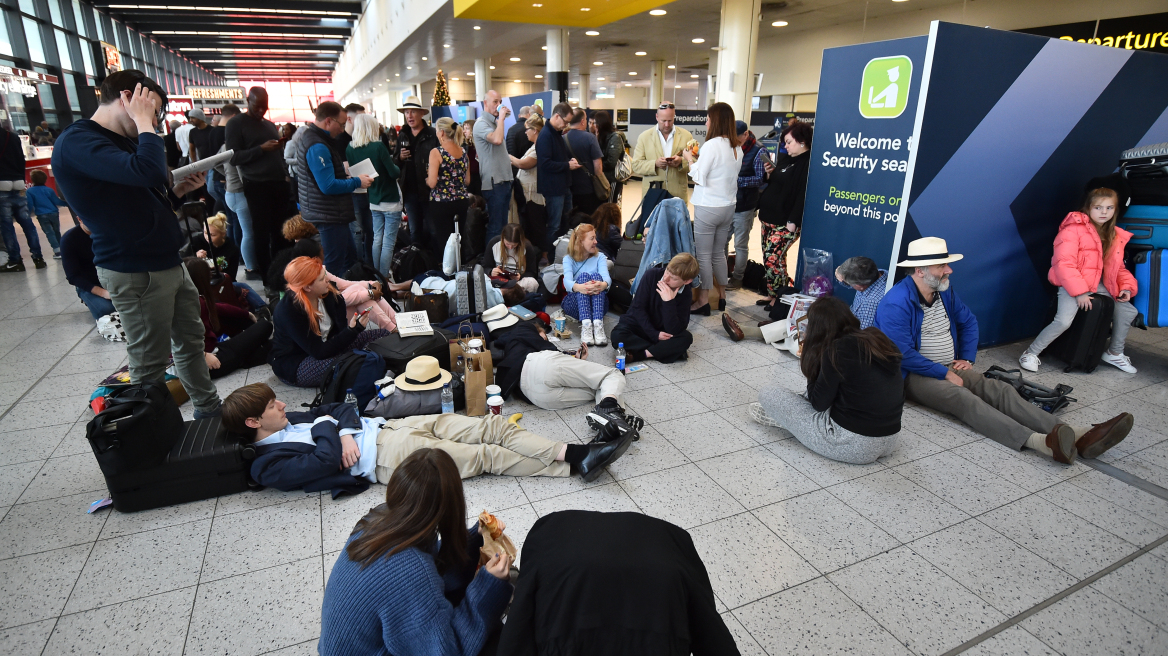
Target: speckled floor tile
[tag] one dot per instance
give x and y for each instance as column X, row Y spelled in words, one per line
column 1124, row 495
column 819, row 469
column 746, row 561
column 742, row 639
column 538, row 488
column 658, row 404
column 704, row 436
column 649, row 454
column 66, row 476
column 262, row 538
column 1089, row 623
column 36, row 587
column 27, row 638
column 1014, row 641
column 684, row 496
column 897, row 505
column 339, row 516
column 253, row 499
column 825, row 531
column 120, row 523
column 30, row 444
column 1140, row 586
column 954, row 479
column 604, row 498
column 739, row 417
column 1027, row 469
column 756, row 477
column 1104, row 514
column 51, row 524
column 721, row 391
column 14, row 479
column 151, row 625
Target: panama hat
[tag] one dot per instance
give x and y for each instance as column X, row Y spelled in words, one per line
column 927, row 251
column 413, row 102
column 499, row 317
column 422, row 373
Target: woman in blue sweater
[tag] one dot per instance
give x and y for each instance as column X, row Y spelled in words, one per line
column 587, row 281
column 399, row 589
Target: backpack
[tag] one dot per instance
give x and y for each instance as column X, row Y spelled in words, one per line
column 355, row 370
column 470, row 295
column 754, row 278
column 411, row 262
column 1050, row 400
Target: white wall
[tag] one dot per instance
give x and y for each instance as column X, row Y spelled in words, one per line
column 382, row 27
column 791, row 61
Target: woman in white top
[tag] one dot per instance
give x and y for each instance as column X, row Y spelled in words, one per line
column 715, row 174
column 534, row 219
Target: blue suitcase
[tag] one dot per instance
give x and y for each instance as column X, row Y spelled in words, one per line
column 1148, row 225
column 1151, row 299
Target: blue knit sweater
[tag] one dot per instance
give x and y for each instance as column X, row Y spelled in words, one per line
column 396, row 606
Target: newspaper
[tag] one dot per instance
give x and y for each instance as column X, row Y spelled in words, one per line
column 202, row 165
column 364, row 167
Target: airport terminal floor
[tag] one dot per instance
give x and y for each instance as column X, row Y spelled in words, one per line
column 953, row 544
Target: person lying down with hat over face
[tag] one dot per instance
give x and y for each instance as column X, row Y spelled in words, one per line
column 332, row 448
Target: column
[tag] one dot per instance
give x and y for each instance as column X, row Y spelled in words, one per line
column 482, row 78
column 656, row 82
column 585, row 89
column 557, row 62
column 738, row 43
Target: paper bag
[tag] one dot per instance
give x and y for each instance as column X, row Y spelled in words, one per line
column 479, row 371
column 494, row 542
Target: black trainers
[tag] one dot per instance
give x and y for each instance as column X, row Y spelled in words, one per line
column 613, row 423
column 12, row 266
column 39, row 262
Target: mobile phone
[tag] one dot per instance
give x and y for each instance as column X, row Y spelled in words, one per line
column 364, row 312
column 766, row 156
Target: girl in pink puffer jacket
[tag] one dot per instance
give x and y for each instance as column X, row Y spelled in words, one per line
column 1088, row 258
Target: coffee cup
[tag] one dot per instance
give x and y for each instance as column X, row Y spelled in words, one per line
column 494, row 390
column 495, row 405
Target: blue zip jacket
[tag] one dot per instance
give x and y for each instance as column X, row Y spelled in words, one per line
column 671, row 234
column 292, row 465
column 43, row 200
column 900, row 316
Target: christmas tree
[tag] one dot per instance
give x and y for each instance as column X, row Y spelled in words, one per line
column 441, row 91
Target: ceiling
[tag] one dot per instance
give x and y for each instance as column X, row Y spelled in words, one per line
column 295, row 40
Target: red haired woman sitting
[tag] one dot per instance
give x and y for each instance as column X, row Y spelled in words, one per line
column 311, row 329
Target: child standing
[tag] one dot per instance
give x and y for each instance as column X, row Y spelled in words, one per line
column 43, row 202
column 1088, row 257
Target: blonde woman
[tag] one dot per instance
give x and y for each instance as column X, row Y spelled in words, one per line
column 534, row 218
column 385, row 201
column 448, row 175
column 587, row 281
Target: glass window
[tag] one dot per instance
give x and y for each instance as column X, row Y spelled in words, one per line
column 118, row 37
column 87, row 56
column 63, row 50
column 79, row 16
column 32, row 34
column 28, row 7
column 17, row 113
column 45, row 91
column 135, row 47
column 71, row 91
column 100, row 25
column 55, row 13
column 5, row 44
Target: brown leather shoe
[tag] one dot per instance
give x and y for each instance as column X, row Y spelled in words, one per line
column 732, row 328
column 1061, row 441
column 1103, row 436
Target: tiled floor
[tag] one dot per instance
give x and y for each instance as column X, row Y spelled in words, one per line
column 950, row 537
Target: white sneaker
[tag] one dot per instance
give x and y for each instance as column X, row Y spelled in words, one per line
column 1121, row 362
column 598, row 333
column 760, row 416
column 1029, row 362
column 586, row 332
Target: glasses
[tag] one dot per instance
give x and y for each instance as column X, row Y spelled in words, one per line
column 665, row 105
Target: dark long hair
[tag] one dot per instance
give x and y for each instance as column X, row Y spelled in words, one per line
column 423, row 499
column 604, row 125
column 201, row 275
column 608, row 214
column 722, row 123
column 830, row 319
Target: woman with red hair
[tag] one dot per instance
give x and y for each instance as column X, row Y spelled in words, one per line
column 311, row 329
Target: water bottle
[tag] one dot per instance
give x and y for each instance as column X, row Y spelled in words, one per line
column 351, row 399
column 447, row 399
column 620, row 357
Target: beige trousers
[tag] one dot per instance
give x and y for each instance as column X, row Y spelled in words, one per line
column 555, row 381
column 478, row 445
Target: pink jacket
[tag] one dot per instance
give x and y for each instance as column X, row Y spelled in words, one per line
column 1078, row 263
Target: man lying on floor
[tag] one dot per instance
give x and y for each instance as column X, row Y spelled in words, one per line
column 331, row 448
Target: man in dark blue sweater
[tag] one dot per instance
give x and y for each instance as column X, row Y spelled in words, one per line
column 656, row 325
column 553, row 164
column 112, row 170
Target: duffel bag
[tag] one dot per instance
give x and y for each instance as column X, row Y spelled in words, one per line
column 136, row 430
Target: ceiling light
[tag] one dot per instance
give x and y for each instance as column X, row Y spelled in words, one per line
column 536, row 4
column 784, row 23
column 514, row 59
column 575, row 83
column 543, row 47
column 453, row 79
column 477, row 27
column 640, row 53
column 600, row 78
column 397, row 74
column 671, row 67
column 585, row 8
column 695, row 76
column 425, row 59
column 899, row 0
column 539, row 77
column 592, row 33
column 492, row 68
column 518, row 81
column 387, row 79
column 657, row 12
column 409, row 68
column 627, row 84
column 698, row 40
column 445, row 45
column 632, row 72
column 602, row 88
column 677, row 86
column 598, row 63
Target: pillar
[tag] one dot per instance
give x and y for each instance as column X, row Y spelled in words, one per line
column 656, row 82
column 557, row 62
column 585, row 89
column 482, row 78
column 738, row 43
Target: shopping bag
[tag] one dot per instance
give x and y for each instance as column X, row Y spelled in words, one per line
column 478, row 369
column 818, row 273
column 494, row 542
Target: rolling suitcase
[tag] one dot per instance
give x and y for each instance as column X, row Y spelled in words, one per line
column 1148, row 225
column 628, row 260
column 1082, row 345
column 1146, row 171
column 204, row 462
column 1150, row 299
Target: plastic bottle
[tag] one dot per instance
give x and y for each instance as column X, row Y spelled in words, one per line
column 620, row 357
column 351, row 399
column 447, row 399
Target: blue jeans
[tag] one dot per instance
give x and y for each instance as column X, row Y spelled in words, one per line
column 8, row 201
column 558, row 209
column 238, row 205
column 254, row 300
column 498, row 199
column 362, row 228
column 416, row 215
column 98, row 306
column 340, row 253
column 385, row 227
column 51, row 226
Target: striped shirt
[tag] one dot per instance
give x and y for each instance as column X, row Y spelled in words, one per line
column 936, row 340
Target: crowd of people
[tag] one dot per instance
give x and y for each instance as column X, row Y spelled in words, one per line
column 297, row 223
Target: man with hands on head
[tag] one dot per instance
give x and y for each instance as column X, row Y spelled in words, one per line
column 112, row 170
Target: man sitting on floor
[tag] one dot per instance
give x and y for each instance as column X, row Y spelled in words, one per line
column 937, row 335
column 331, row 448
column 554, row 380
column 869, row 282
column 656, row 324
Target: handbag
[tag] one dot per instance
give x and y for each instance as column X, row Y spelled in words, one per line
column 600, row 186
column 436, row 305
column 136, row 430
column 624, row 166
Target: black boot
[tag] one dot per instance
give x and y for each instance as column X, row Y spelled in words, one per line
column 601, row 455
column 39, row 262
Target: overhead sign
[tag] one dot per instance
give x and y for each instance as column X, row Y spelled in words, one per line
column 1148, row 32
column 18, row 80
column 177, row 108
column 110, row 57
column 224, row 94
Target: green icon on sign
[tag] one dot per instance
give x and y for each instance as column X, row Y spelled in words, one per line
column 884, row 89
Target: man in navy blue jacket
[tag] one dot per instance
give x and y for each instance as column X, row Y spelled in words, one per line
column 937, row 336
column 553, row 163
column 112, row 170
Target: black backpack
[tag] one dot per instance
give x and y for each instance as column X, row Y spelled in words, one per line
column 355, row 370
column 1050, row 400
column 411, row 262
column 137, row 429
column 754, row 278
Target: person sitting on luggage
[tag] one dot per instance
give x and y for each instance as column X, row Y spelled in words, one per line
column 311, row 326
column 586, row 279
column 360, row 450
column 512, row 256
column 937, row 337
column 869, row 282
column 656, row 324
column 851, row 411
column 554, row 380
column 399, row 589
column 248, row 339
column 607, row 219
column 81, row 272
column 1088, row 258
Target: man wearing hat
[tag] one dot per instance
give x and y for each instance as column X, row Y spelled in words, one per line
column 751, row 175
column 937, row 336
column 415, row 141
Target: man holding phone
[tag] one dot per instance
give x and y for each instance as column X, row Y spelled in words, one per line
column 657, row 155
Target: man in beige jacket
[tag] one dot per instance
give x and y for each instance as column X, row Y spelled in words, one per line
column 657, row 155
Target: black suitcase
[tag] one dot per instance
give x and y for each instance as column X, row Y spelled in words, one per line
column 1146, row 171
column 136, row 430
column 628, row 260
column 397, row 351
column 204, row 462
column 1082, row 345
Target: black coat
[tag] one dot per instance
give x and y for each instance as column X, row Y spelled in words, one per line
column 517, row 343
column 293, row 341
column 615, row 584
column 782, row 200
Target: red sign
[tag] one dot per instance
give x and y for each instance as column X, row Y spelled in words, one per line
column 177, row 107
column 8, row 71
